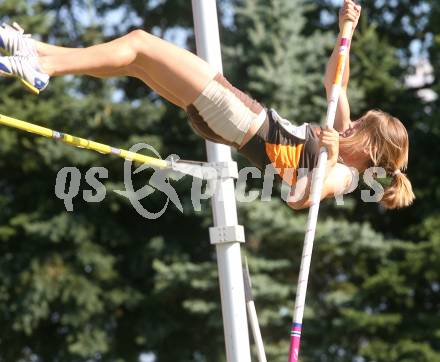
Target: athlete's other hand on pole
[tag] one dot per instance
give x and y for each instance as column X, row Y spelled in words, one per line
column 350, row 11
column 329, row 138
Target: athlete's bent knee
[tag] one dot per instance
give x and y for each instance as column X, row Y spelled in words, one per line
column 127, row 51
column 138, row 37
column 138, row 34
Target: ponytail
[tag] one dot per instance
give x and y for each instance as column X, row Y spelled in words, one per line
column 399, row 194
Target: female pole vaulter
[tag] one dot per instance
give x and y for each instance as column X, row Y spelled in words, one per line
column 221, row 113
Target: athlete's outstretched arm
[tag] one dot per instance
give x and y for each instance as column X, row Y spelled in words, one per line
column 349, row 11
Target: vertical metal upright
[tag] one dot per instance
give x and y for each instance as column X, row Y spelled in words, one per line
column 226, row 234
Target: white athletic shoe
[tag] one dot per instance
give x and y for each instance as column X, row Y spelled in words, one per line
column 27, row 70
column 13, row 41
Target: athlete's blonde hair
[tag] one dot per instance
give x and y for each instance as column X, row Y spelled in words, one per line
column 386, row 140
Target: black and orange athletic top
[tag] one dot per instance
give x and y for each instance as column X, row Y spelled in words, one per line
column 283, row 145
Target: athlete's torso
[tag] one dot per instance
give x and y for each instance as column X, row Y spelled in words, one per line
column 286, row 146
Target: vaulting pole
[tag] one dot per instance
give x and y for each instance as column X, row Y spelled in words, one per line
column 225, row 234
column 318, row 181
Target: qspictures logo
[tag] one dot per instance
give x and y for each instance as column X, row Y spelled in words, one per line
column 69, row 180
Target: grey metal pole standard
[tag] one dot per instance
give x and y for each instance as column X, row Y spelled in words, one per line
column 226, row 233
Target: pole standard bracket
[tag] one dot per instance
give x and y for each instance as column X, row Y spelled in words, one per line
column 205, row 170
column 226, row 234
column 224, row 170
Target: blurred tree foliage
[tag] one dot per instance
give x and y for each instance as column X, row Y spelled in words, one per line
column 104, row 284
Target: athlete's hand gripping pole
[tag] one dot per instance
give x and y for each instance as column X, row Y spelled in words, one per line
column 317, row 185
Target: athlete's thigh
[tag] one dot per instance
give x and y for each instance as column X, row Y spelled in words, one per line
column 177, row 70
column 141, row 74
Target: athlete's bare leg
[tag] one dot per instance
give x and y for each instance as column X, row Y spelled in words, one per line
column 44, row 49
column 173, row 72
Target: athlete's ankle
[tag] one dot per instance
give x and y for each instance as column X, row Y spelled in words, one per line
column 45, row 65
